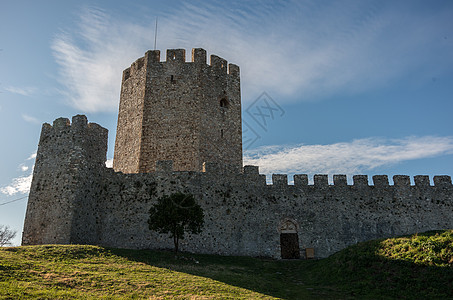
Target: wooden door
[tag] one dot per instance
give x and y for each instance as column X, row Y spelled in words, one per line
column 289, row 244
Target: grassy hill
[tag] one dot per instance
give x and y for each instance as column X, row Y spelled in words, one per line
column 413, row 267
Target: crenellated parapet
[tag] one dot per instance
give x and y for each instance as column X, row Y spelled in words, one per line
column 321, row 180
column 185, row 111
column 79, row 125
column 177, row 59
column 66, row 139
column 251, row 174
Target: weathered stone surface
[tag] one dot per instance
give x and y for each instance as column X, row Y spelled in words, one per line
column 75, row 199
column 70, row 158
column 169, row 140
column 187, row 112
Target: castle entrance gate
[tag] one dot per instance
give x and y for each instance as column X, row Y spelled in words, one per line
column 289, row 240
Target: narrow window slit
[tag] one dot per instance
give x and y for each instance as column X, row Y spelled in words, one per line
column 224, row 103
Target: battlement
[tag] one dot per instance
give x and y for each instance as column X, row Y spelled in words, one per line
column 201, row 100
column 67, row 138
column 319, row 180
column 79, row 124
column 177, row 57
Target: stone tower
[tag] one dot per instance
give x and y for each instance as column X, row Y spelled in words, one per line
column 64, row 189
column 187, row 112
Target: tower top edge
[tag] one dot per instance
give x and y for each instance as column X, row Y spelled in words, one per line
column 178, row 56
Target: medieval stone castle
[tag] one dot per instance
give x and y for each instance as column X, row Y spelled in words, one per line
column 179, row 130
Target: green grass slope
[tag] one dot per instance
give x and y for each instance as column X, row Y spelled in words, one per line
column 419, row 266
column 414, row 267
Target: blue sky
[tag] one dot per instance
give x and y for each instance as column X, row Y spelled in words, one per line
column 358, row 87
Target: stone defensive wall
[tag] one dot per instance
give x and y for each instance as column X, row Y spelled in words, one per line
column 178, row 57
column 76, row 199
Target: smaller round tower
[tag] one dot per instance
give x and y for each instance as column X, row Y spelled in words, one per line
column 61, row 203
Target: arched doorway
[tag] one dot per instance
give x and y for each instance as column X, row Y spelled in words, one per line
column 289, row 240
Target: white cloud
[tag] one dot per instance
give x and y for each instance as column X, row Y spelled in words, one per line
column 354, row 157
column 24, row 91
column 296, row 50
column 32, row 156
column 358, row 156
column 92, row 74
column 21, row 184
column 109, row 163
column 30, row 119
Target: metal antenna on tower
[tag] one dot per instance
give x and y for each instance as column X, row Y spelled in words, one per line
column 155, row 35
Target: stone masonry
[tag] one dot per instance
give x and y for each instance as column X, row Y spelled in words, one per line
column 187, row 112
column 75, row 198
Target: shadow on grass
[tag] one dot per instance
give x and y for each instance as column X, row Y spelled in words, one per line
column 363, row 270
column 358, row 271
column 282, row 279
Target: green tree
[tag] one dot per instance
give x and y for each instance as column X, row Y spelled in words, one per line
column 176, row 214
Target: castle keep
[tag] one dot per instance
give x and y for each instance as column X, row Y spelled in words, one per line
column 179, row 130
column 189, row 113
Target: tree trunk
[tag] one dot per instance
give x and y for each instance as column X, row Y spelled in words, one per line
column 176, row 240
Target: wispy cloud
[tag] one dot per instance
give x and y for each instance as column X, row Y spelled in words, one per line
column 297, row 50
column 32, row 156
column 24, row 91
column 358, row 156
column 21, row 184
column 30, row 119
column 92, row 73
